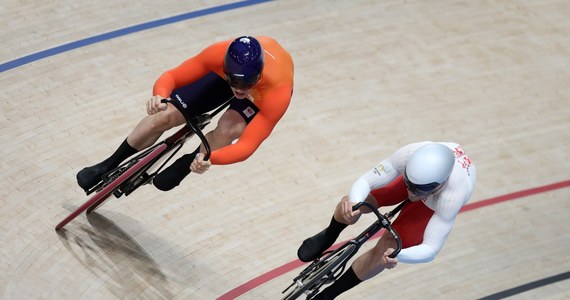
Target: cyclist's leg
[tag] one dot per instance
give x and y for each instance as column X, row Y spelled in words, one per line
column 151, row 127
column 89, row 177
column 232, row 123
column 388, row 195
column 319, row 273
column 144, row 134
column 314, row 246
column 345, row 282
column 410, row 225
column 230, row 126
column 206, row 94
column 359, row 271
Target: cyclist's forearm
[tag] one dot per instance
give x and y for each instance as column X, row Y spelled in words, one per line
column 417, row 254
column 359, row 190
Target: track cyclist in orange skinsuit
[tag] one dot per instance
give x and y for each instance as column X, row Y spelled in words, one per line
column 255, row 72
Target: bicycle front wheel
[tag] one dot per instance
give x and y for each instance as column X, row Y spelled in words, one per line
column 322, row 273
column 129, row 173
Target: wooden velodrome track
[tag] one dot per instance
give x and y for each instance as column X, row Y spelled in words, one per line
column 370, row 76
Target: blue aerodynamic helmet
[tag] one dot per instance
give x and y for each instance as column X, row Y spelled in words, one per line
column 243, row 62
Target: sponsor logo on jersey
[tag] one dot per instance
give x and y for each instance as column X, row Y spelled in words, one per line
column 181, row 102
column 463, row 159
column 379, row 169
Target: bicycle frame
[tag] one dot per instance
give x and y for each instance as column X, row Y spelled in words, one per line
column 132, row 174
column 331, row 264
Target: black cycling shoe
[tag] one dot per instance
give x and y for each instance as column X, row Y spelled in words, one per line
column 174, row 174
column 90, row 176
column 313, row 247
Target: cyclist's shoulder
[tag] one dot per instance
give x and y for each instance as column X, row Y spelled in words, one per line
column 274, row 51
column 453, row 197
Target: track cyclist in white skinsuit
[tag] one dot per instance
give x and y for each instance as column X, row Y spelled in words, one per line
column 438, row 178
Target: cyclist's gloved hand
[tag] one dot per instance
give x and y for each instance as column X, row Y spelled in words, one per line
column 154, row 105
column 199, row 165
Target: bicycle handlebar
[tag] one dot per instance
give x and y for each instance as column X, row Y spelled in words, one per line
column 194, row 124
column 385, row 223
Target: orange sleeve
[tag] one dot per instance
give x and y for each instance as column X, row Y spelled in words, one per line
column 257, row 130
column 194, row 68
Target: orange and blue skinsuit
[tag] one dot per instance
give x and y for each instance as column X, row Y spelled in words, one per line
column 271, row 95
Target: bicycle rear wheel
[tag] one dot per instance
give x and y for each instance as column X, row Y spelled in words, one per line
column 321, row 273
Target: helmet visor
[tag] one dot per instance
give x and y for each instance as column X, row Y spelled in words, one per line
column 242, row 82
column 422, row 190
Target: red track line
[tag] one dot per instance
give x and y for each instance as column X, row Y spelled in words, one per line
column 516, row 195
column 259, row 280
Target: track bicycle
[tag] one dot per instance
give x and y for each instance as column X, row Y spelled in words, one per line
column 330, row 266
column 143, row 167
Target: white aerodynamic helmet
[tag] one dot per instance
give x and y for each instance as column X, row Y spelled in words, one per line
column 428, row 169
